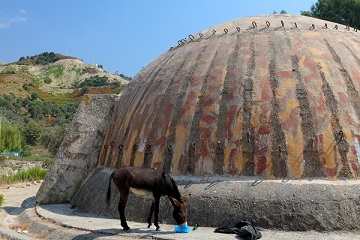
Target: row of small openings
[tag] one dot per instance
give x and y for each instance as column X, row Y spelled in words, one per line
column 254, row 25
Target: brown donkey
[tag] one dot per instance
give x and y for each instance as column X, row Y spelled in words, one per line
column 148, row 181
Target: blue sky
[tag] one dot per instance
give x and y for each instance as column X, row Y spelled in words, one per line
column 121, row 35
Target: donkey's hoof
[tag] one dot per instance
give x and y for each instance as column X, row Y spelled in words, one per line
column 127, row 229
column 152, row 227
column 158, row 229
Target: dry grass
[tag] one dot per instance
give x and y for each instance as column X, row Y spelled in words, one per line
column 12, row 83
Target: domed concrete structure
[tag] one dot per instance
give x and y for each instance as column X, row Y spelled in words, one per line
column 257, row 118
column 274, row 96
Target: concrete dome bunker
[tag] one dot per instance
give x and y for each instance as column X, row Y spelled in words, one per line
column 271, row 100
column 244, row 114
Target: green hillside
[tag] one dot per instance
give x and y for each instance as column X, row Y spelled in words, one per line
column 40, row 94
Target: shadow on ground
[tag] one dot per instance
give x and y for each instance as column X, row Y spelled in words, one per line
column 27, row 203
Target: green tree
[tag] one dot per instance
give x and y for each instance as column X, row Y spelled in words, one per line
column 340, row 11
column 4, row 103
column 32, row 132
column 10, row 97
column 34, row 96
column 52, row 138
column 10, row 137
column 34, row 111
column 26, row 102
column 17, row 107
column 55, row 110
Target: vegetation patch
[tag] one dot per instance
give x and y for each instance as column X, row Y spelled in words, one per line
column 76, row 70
column 107, row 90
column 36, row 81
column 32, row 174
column 57, row 71
column 125, row 77
column 90, row 70
column 96, row 81
column 9, row 70
column 41, row 59
column 59, row 99
column 24, row 69
column 47, row 80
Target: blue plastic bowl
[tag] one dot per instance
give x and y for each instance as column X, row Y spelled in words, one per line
column 182, row 229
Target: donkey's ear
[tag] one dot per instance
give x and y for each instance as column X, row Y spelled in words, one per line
column 175, row 202
column 186, row 198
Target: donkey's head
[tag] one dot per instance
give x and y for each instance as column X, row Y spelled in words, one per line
column 180, row 211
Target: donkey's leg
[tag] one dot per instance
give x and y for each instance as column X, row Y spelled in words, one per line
column 156, row 210
column 121, row 207
column 150, row 214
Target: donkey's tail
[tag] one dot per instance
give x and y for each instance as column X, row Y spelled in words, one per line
column 108, row 195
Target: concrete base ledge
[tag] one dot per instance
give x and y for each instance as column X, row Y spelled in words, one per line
column 294, row 205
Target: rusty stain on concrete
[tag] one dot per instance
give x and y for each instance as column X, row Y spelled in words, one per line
column 86, row 99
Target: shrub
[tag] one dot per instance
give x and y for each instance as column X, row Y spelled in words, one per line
column 125, row 77
column 34, row 96
column 26, row 151
column 95, row 81
column 47, row 80
column 25, row 87
column 46, row 162
column 85, row 90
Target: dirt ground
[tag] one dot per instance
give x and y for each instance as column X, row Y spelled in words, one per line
column 14, row 195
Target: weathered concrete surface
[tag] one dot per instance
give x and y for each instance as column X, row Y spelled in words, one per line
column 79, row 151
column 298, row 205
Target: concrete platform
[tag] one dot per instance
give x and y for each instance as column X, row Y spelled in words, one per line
column 289, row 205
column 22, row 220
column 60, row 221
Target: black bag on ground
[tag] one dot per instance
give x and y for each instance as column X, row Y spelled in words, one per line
column 244, row 229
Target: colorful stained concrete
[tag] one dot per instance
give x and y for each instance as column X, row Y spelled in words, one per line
column 272, row 96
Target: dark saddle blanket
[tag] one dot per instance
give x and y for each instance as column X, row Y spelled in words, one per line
column 244, row 229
